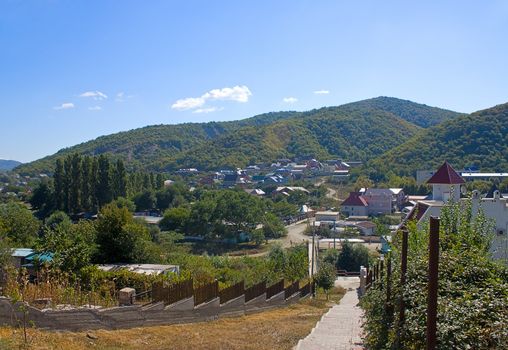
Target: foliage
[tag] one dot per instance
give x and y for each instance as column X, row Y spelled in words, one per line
column 472, row 294
column 20, row 226
column 359, row 130
column 175, row 219
column 478, row 139
column 152, row 145
column 273, row 226
column 73, row 245
column 352, row 256
column 325, row 277
column 121, row 239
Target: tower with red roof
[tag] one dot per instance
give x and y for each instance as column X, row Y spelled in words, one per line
column 446, row 184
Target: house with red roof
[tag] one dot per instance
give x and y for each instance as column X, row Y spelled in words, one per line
column 355, row 205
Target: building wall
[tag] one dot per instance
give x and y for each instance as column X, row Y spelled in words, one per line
column 496, row 209
column 441, row 192
column 379, row 202
column 355, row 210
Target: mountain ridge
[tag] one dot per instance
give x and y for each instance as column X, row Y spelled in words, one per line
column 8, row 164
column 479, row 139
column 157, row 147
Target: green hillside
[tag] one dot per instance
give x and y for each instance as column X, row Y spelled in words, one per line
column 416, row 113
column 331, row 131
column 150, row 144
column 480, row 139
column 323, row 133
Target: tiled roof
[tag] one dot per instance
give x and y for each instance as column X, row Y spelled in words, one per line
column 446, row 175
column 355, row 199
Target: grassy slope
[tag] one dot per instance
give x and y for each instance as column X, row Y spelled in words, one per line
column 276, row 329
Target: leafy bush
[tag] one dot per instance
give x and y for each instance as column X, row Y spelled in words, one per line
column 472, row 294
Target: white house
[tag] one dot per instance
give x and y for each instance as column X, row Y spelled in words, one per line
column 446, row 187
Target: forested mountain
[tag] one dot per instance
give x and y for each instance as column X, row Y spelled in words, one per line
column 359, row 130
column 8, row 164
column 147, row 145
column 416, row 113
column 323, row 133
column 480, row 139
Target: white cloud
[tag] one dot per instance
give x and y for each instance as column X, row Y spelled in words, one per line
column 96, row 95
column 95, row 108
column 66, row 105
column 238, row 93
column 321, row 92
column 188, row 103
column 121, row 96
column 289, row 99
column 208, row 110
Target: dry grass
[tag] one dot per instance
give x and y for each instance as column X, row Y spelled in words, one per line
column 276, row 329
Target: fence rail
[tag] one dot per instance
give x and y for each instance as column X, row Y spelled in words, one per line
column 206, row 293
column 232, row 292
column 275, row 289
column 255, row 291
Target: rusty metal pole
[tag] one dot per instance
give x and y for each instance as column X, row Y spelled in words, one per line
column 432, row 286
column 403, row 271
column 388, row 283
column 381, row 273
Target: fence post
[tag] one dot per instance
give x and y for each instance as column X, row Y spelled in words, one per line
column 403, row 271
column 432, row 286
column 388, row 283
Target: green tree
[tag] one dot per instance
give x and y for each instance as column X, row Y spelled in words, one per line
column 87, row 184
column 120, row 238
column 175, row 219
column 352, row 256
column 325, row 277
column 75, row 183
column 273, row 226
column 119, row 180
column 72, row 244
column 19, row 224
column 145, row 200
column 59, row 181
column 103, row 192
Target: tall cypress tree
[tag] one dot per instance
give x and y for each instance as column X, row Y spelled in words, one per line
column 94, row 179
column 67, row 183
column 103, row 189
column 75, row 184
column 59, row 182
column 86, row 184
column 119, row 180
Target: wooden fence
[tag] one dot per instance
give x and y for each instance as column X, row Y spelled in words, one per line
column 232, row 292
column 305, row 290
column 172, row 293
column 206, row 293
column 255, row 291
column 275, row 289
column 292, row 289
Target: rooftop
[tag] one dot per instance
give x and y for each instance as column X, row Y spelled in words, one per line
column 446, row 175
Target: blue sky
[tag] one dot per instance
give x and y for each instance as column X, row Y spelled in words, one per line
column 71, row 71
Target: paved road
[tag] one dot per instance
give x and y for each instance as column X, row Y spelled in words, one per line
column 340, row 328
